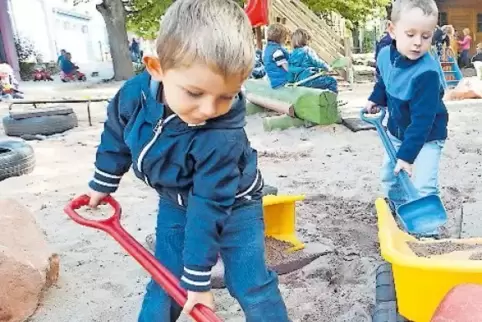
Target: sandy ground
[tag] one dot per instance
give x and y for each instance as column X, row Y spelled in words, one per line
column 336, row 168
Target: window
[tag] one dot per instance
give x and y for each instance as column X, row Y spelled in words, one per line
column 442, row 19
column 479, row 22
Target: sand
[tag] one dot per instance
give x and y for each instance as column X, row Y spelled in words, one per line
column 335, row 168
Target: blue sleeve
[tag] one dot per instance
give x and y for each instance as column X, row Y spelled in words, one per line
column 424, row 105
column 316, row 61
column 113, row 157
column 215, row 182
column 379, row 93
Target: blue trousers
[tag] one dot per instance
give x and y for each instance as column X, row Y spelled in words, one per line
column 425, row 172
column 242, row 250
column 323, row 82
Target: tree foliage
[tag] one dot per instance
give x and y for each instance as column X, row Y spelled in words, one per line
column 356, row 11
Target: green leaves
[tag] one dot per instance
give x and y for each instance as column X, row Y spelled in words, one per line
column 357, row 11
column 143, row 16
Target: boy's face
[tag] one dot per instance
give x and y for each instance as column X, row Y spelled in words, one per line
column 413, row 33
column 195, row 93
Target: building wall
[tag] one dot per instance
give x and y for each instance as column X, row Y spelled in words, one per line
column 463, row 14
column 57, row 24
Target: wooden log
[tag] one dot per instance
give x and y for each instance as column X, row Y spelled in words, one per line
column 271, row 104
column 283, row 122
column 310, row 104
column 252, row 108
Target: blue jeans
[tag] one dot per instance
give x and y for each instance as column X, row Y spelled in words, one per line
column 424, row 173
column 242, row 250
column 323, row 82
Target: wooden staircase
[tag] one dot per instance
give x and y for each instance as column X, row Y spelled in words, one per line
column 294, row 14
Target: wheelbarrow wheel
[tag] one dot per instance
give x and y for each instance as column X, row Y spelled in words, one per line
column 385, row 287
column 387, row 312
column 385, row 297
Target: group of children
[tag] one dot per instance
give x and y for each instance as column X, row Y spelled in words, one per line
column 283, row 67
column 180, row 125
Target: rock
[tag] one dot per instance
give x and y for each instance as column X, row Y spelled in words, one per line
column 27, row 265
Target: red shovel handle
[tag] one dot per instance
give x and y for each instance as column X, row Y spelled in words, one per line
column 158, row 272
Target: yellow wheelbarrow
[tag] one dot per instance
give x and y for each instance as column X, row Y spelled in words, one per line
column 411, row 285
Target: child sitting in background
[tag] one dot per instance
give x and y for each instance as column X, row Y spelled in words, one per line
column 258, row 70
column 478, row 54
column 275, row 56
column 304, row 63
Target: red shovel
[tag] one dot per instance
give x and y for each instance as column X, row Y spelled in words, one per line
column 159, row 273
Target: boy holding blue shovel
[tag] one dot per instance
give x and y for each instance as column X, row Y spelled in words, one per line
column 410, row 85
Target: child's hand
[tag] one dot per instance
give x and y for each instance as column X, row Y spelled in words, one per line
column 403, row 165
column 193, row 298
column 95, row 198
column 372, row 108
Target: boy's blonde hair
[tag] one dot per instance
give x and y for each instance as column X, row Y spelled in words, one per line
column 300, row 38
column 428, row 7
column 277, row 33
column 213, row 32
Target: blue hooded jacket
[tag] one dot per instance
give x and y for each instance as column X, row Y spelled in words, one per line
column 303, row 63
column 206, row 169
column 413, row 92
column 274, row 54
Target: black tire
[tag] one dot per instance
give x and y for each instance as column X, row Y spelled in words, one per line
column 387, row 312
column 40, row 125
column 269, row 190
column 16, row 158
column 385, row 287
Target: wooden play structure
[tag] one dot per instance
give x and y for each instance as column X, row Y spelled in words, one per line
column 330, row 42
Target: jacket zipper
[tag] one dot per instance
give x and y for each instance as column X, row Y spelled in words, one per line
column 157, row 131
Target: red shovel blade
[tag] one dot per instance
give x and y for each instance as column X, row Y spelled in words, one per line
column 158, row 272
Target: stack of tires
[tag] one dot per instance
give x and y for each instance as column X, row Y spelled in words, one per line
column 45, row 121
column 17, row 157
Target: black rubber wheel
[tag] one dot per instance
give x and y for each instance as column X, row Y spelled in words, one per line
column 39, row 125
column 16, row 158
column 385, row 296
column 387, row 312
column 385, row 287
column 269, row 190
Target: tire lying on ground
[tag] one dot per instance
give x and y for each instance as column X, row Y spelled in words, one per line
column 16, row 158
column 46, row 121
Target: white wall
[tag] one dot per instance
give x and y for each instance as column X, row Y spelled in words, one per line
column 56, row 24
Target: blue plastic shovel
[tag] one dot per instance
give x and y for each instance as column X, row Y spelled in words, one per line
column 420, row 215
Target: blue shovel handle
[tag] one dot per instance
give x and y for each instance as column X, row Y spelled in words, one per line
column 376, row 120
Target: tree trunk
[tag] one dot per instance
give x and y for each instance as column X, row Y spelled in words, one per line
column 114, row 16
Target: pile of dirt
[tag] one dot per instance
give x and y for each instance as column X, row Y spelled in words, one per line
column 280, row 259
column 338, row 286
column 439, row 248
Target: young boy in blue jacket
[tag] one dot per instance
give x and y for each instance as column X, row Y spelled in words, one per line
column 411, row 85
column 304, row 63
column 181, row 127
column 275, row 56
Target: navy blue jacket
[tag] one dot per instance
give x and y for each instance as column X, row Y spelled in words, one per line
column 413, row 91
column 274, row 54
column 206, row 168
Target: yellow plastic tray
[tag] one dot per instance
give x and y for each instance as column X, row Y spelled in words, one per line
column 421, row 283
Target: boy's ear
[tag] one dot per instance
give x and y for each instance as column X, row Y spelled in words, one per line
column 391, row 29
column 153, row 67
